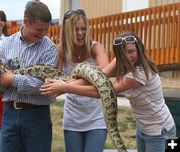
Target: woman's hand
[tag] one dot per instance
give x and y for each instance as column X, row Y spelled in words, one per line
column 53, row 88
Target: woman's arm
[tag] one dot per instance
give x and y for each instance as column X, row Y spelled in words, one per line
column 61, row 57
column 110, row 69
column 99, row 54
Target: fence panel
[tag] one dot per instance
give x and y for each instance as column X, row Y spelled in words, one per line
column 158, row 27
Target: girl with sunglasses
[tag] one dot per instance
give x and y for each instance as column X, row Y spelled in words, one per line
column 137, row 78
column 83, row 120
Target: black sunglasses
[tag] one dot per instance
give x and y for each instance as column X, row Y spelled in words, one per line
column 127, row 39
column 71, row 12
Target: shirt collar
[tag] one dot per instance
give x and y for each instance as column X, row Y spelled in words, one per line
column 2, row 37
column 21, row 35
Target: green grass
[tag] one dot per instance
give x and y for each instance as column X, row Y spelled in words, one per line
column 57, row 115
column 126, row 126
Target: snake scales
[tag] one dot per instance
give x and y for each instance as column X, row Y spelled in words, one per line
column 95, row 76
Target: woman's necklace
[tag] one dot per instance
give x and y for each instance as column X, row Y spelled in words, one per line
column 78, row 55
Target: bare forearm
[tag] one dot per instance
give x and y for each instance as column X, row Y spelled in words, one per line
column 80, row 81
column 84, row 90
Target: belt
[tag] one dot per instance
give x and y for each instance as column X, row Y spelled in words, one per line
column 19, row 105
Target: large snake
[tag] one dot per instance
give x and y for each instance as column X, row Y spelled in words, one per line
column 95, row 76
column 106, row 90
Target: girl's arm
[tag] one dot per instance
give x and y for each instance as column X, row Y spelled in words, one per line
column 58, row 87
column 125, row 83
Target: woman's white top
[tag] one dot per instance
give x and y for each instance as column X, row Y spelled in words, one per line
column 148, row 104
column 82, row 113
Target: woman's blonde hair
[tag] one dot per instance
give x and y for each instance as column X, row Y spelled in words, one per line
column 124, row 66
column 68, row 34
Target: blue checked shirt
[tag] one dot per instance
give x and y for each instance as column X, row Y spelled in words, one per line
column 17, row 53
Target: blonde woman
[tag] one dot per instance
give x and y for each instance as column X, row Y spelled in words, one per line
column 83, row 120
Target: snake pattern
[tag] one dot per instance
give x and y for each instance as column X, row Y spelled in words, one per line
column 106, row 90
column 42, row 72
column 95, row 76
column 39, row 71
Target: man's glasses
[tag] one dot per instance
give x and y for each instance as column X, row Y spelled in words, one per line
column 71, row 12
column 127, row 39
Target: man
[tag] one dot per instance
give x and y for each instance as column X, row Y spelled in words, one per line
column 26, row 125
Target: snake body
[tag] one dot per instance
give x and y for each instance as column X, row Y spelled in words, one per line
column 95, row 76
column 42, row 72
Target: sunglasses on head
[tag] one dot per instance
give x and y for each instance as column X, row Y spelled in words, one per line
column 127, row 39
column 71, row 12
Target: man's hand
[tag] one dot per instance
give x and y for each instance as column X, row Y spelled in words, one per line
column 7, row 78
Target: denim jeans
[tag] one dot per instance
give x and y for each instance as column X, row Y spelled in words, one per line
column 26, row 130
column 88, row 141
column 146, row 143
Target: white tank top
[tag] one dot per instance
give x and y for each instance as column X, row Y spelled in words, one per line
column 82, row 113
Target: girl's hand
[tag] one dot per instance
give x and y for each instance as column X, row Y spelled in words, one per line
column 53, row 88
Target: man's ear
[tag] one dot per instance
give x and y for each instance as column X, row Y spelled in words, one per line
column 25, row 21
